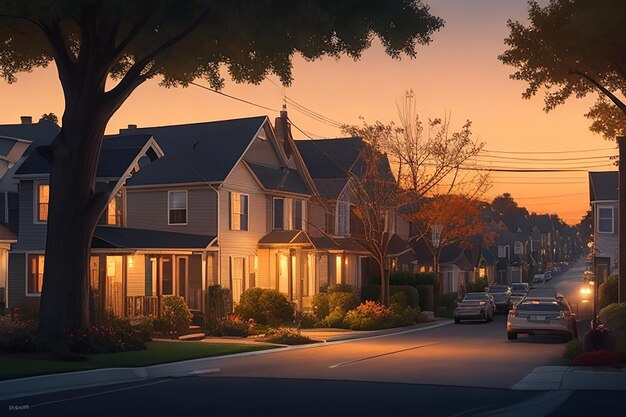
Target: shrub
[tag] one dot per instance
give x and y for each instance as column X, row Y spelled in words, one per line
column 268, row 307
column 444, row 312
column 320, row 305
column 410, row 293
column 175, row 314
column 339, row 288
column 614, row 317
column 371, row 315
column 426, row 296
column 478, row 286
column 110, row 338
column 370, row 292
column 607, row 292
column 448, row 301
column 17, row 336
column 600, row 357
column 572, row 349
column 287, row 337
column 334, row 319
column 305, row 320
column 144, row 326
column 343, row 301
column 233, row 325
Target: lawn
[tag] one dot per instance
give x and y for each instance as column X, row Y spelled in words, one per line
column 19, row 366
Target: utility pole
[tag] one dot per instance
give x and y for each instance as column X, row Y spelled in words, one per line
column 621, row 142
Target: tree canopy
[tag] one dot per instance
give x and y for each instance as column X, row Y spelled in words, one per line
column 571, row 48
column 105, row 49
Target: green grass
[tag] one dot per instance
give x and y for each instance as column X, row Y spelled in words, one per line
column 20, row 366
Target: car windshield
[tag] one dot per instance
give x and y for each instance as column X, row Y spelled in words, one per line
column 475, row 296
column 519, row 288
column 498, row 288
column 543, row 307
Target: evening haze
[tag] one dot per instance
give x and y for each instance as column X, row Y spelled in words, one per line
column 458, row 74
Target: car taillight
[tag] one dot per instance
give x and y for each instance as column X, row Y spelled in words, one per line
column 482, row 303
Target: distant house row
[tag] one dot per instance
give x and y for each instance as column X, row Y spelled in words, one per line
column 236, row 204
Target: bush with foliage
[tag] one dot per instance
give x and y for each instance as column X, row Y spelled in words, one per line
column 305, row 320
column 286, row 336
column 371, row 315
column 608, row 291
column 17, row 336
column 343, row 301
column 144, row 326
column 264, row 306
column 411, row 296
column 347, row 288
column 426, row 295
column 331, row 308
column 600, row 357
column 478, row 286
column 448, row 300
column 233, row 325
column 572, row 349
column 175, row 315
column 105, row 339
column 320, row 306
column 614, row 317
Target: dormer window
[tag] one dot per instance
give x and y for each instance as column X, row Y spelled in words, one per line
column 43, row 200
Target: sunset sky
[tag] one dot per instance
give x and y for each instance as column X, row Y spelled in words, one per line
column 458, row 74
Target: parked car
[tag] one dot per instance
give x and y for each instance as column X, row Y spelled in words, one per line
column 538, row 279
column 542, row 316
column 502, row 297
column 475, row 306
column 518, row 291
column 542, row 292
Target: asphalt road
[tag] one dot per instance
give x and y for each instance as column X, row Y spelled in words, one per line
column 449, row 370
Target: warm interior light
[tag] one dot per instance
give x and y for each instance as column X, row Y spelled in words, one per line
column 131, row 262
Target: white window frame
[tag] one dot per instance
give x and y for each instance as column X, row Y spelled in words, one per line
column 612, row 219
column 342, row 217
column 27, row 275
column 232, row 211
column 36, row 185
column 186, row 207
column 274, row 213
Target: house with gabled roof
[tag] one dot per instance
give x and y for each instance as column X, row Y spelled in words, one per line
column 604, row 200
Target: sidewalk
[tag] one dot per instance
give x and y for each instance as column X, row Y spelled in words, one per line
column 573, row 378
column 327, row 335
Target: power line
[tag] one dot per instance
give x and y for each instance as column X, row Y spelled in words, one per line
column 546, row 159
column 548, row 197
column 232, row 97
column 547, row 152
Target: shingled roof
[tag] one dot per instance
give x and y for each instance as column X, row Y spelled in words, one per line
column 603, row 186
column 279, row 178
column 127, row 238
column 197, row 152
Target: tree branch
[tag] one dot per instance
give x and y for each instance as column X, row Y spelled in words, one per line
column 604, row 90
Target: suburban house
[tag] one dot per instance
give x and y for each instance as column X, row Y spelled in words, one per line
column 604, row 200
column 17, row 141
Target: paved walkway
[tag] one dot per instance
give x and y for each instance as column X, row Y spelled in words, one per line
column 572, row 378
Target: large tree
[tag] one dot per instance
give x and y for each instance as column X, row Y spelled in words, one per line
column 573, row 48
column 104, row 49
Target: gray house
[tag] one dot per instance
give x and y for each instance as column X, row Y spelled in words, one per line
column 604, row 200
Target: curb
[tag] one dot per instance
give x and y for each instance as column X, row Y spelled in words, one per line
column 43, row 384
column 572, row 378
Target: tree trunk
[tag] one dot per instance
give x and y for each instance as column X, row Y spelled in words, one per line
column 384, row 284
column 74, row 210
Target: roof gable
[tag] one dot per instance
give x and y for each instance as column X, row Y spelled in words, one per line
column 603, row 186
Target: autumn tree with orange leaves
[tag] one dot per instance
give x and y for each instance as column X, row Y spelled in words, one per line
column 455, row 219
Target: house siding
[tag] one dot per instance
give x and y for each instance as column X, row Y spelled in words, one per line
column 240, row 242
column 32, row 236
column 607, row 244
column 148, row 209
column 317, row 219
column 17, row 284
column 262, row 151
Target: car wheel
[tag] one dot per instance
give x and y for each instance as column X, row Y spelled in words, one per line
column 511, row 336
column 457, row 320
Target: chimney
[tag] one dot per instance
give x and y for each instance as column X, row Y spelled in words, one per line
column 26, row 120
column 283, row 130
column 132, row 126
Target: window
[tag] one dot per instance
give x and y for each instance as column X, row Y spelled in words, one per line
column 43, row 199
column 114, row 211
column 605, row 220
column 342, row 218
column 35, row 274
column 297, row 214
column 518, row 248
column 278, row 216
column 177, row 207
column 238, row 211
column 390, row 221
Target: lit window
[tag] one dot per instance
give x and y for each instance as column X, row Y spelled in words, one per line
column 238, row 211
column 114, row 211
column 177, row 207
column 35, row 273
column 605, row 220
column 43, row 199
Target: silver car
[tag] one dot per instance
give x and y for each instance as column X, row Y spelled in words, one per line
column 502, row 297
column 475, row 306
column 542, row 316
column 518, row 291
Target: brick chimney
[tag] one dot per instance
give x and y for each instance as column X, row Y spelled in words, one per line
column 132, row 126
column 26, row 120
column 282, row 127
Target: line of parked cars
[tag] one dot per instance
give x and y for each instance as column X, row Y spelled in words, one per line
column 531, row 310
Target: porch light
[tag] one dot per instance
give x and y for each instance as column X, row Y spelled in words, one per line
column 131, row 262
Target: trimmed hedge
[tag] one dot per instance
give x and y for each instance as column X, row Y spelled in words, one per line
column 412, row 295
column 268, row 307
column 427, row 297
